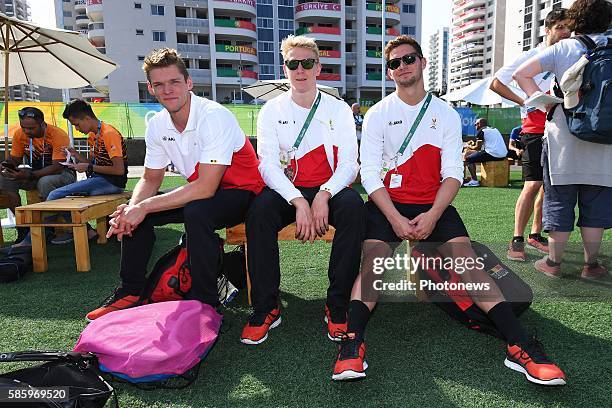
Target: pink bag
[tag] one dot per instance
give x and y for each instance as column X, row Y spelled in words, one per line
column 154, row 341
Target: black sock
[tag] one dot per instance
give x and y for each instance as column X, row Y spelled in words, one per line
column 358, row 316
column 536, row 235
column 518, row 238
column 507, row 323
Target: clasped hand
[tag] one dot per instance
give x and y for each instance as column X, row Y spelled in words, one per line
column 125, row 219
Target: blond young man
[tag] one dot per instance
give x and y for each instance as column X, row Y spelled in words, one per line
column 209, row 149
column 412, row 171
column 308, row 150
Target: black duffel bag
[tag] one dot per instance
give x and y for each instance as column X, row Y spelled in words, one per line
column 74, row 378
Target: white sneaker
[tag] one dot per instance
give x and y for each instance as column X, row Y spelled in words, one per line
column 472, row 183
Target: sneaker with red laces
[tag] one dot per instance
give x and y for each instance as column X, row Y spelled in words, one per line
column 336, row 323
column 256, row 329
column 351, row 364
column 118, row 300
column 548, row 267
column 516, row 251
column 538, row 242
column 529, row 358
column 594, row 271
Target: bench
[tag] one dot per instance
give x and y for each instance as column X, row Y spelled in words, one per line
column 495, row 173
column 82, row 210
column 237, row 236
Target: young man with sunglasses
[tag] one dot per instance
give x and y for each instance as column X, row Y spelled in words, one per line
column 207, row 146
column 412, row 171
column 308, row 150
column 557, row 28
column 44, row 145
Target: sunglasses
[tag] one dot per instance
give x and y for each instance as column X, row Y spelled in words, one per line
column 26, row 113
column 307, row 63
column 408, row 59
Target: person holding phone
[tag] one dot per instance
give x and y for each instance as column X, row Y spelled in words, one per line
column 43, row 145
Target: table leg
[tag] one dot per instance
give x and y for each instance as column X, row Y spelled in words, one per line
column 39, row 249
column 102, row 229
column 81, row 248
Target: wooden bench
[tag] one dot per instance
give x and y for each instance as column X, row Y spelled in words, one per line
column 82, row 210
column 495, row 173
column 237, row 236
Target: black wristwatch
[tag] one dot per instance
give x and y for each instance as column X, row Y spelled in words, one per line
column 90, row 168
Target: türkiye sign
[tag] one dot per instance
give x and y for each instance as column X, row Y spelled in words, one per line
column 318, row 6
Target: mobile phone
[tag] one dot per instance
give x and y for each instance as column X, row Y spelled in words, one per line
column 78, row 194
column 8, row 165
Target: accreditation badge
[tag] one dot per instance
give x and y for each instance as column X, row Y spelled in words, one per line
column 386, row 166
column 288, row 164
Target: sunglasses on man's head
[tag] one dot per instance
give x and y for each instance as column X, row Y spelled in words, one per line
column 408, row 59
column 307, row 63
column 26, row 113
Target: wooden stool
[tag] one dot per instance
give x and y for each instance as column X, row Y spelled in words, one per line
column 495, row 173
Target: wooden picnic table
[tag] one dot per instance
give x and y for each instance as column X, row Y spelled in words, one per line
column 82, row 210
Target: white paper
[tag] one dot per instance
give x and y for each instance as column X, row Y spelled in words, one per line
column 541, row 100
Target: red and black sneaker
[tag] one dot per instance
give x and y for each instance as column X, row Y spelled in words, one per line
column 336, row 323
column 529, row 358
column 118, row 300
column 538, row 242
column 351, row 364
column 256, row 330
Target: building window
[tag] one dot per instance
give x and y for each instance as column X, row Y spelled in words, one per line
column 489, row 26
column 285, row 3
column 490, row 14
column 266, row 69
column 157, row 10
column 408, row 30
column 265, row 22
column 141, row 58
column 488, row 60
column 265, row 46
column 285, row 24
column 137, row 5
column 139, row 32
column 264, row 1
column 489, row 37
column 68, row 28
column 409, row 8
column 285, row 12
column 67, row 13
column 159, row 36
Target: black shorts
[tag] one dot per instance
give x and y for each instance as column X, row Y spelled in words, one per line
column 532, row 156
column 449, row 225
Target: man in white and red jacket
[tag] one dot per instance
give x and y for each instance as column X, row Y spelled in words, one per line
column 308, row 151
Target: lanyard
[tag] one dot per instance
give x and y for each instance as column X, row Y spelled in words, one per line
column 298, row 141
column 414, row 127
column 97, row 137
column 43, row 150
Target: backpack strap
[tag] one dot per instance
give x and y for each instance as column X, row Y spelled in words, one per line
column 588, row 41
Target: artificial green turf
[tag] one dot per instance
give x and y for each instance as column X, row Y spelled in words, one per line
column 417, row 355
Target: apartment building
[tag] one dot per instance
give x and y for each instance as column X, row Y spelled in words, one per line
column 21, row 10
column 437, row 61
column 230, row 44
column 477, row 40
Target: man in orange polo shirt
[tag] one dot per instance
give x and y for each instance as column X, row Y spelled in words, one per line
column 44, row 145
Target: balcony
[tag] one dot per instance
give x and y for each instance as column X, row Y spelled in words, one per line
column 81, row 21
column 464, row 5
column 244, row 8
column 235, row 28
column 95, row 10
column 471, row 25
column 377, row 77
column 321, row 33
column 194, row 50
column 95, row 34
column 228, row 76
column 469, row 37
column 374, row 33
column 374, row 10
column 192, row 25
column 478, row 12
column 317, row 11
column 200, row 76
column 236, row 53
column 80, row 6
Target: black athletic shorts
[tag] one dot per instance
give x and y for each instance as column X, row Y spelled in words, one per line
column 449, row 225
column 532, row 156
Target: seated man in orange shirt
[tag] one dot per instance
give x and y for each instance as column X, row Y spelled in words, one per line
column 44, row 145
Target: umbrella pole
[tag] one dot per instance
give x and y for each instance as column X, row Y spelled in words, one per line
column 6, row 88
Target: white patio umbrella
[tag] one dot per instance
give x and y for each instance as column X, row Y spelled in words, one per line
column 479, row 93
column 48, row 57
column 269, row 89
